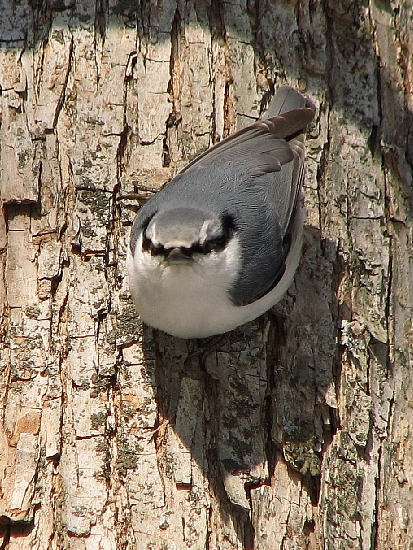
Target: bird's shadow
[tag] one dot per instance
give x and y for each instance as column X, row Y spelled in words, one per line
column 265, row 392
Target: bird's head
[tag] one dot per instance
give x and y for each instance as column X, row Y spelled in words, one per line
column 183, row 235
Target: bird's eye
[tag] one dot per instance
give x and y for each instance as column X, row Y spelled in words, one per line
column 228, row 223
column 206, row 247
column 146, row 243
column 149, row 246
column 157, row 250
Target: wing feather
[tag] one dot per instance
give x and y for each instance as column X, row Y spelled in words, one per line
column 255, row 175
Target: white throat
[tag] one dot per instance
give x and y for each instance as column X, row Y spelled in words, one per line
column 189, row 300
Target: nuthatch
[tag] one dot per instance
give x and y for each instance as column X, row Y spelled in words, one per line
column 220, row 243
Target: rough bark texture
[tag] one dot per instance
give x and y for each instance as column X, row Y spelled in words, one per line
column 293, row 432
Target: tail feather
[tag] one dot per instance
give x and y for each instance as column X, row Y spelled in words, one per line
column 286, row 99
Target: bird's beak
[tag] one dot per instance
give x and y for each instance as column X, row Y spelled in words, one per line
column 176, row 256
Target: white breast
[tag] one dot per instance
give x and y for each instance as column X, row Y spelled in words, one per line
column 185, row 300
column 191, row 300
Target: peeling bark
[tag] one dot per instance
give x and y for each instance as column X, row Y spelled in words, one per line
column 293, row 431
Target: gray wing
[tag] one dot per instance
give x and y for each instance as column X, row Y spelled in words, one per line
column 268, row 160
column 255, row 141
column 267, row 234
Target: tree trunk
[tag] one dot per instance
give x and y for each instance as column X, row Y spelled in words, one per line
column 292, row 432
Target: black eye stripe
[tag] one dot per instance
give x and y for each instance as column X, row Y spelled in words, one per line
column 214, row 244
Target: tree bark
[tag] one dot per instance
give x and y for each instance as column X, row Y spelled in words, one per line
column 292, row 432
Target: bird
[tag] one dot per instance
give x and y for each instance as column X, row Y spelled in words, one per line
column 220, row 243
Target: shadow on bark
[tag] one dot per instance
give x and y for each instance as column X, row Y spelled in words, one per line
column 265, row 392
